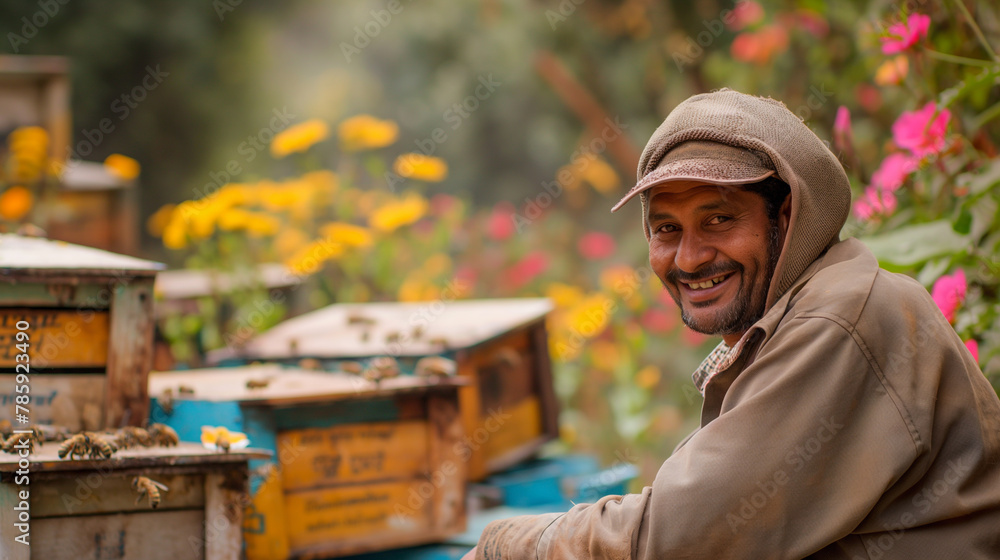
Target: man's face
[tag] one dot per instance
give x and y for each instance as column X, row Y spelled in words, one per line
column 714, row 249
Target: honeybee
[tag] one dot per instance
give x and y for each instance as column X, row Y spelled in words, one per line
column 357, row 319
column 258, row 383
column 78, row 444
column 223, row 444
column 163, row 435
column 310, row 363
column 435, row 366
column 392, row 337
column 101, row 448
column 15, row 442
column 149, row 488
column 382, row 367
column 166, row 401
column 439, row 341
column 132, row 436
column 418, row 331
column 185, row 390
column 51, row 433
column 351, row 367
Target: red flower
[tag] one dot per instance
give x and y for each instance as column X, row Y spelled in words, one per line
column 526, row 270
column 875, row 202
column 901, row 36
column 596, row 245
column 949, row 292
column 842, row 129
column 759, row 47
column 922, row 132
column 441, row 204
column 501, row 224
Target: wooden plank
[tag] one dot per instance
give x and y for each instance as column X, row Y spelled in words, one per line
column 75, row 402
column 11, row 497
column 56, row 337
column 29, row 257
column 264, row 530
column 161, row 535
column 358, row 518
column 45, row 459
column 544, row 381
column 504, row 434
column 355, row 453
column 448, row 467
column 225, row 498
column 131, row 355
column 105, row 491
column 69, row 294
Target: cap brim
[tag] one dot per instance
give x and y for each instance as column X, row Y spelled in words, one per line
column 700, row 162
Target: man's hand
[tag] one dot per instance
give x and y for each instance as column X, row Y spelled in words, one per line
column 471, row 555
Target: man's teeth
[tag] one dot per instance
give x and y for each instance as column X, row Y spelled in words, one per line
column 707, row 283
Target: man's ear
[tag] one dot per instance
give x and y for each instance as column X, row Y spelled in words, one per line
column 785, row 216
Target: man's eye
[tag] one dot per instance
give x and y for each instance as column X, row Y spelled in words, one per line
column 666, row 228
column 716, row 220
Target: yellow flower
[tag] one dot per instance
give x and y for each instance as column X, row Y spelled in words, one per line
column 159, row 220
column 299, row 137
column 590, row 317
column 648, row 377
column 175, row 235
column 365, row 132
column 348, row 234
column 16, row 202
column 232, row 194
column 564, row 295
column 563, row 348
column 892, row 71
column 262, row 225
column 415, row 288
column 436, row 265
column 421, row 167
column 601, row 175
column 123, row 167
column 310, row 258
column 398, row 213
column 28, row 148
column 234, row 219
column 289, row 241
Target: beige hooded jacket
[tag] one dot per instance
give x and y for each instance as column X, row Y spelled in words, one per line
column 854, row 425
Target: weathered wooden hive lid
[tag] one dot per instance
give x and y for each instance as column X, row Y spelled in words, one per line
column 283, row 386
column 353, row 330
column 191, row 283
column 25, row 257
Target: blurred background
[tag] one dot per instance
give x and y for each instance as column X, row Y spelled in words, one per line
column 432, row 150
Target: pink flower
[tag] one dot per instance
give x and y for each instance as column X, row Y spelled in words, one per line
column 745, row 14
column 875, row 202
column 842, row 129
column 868, row 96
column 895, row 168
column 596, row 245
column 527, row 269
column 501, row 224
column 759, row 47
column 973, row 347
column 922, row 132
column 949, row 292
column 901, row 36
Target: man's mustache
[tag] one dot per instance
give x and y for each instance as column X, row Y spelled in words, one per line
column 675, row 275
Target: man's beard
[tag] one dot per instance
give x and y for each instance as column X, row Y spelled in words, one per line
column 747, row 307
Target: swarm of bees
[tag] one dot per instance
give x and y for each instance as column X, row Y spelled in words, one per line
column 147, row 487
column 381, row 368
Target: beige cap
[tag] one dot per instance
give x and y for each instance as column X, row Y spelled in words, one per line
column 702, row 161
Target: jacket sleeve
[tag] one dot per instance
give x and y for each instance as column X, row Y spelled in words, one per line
column 809, row 438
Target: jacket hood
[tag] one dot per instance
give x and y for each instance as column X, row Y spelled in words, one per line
column 820, row 190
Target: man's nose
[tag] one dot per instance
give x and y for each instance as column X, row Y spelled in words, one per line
column 692, row 253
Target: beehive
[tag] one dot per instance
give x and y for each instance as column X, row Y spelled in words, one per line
column 501, row 346
column 88, row 509
column 89, row 319
column 358, row 466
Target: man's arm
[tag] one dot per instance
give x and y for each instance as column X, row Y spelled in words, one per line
column 808, row 441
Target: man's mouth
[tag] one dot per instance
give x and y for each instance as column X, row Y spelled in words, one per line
column 708, row 283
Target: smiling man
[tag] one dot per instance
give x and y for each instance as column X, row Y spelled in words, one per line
column 843, row 417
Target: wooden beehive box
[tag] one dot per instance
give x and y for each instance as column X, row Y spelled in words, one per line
column 501, row 346
column 88, row 509
column 358, row 467
column 90, row 327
